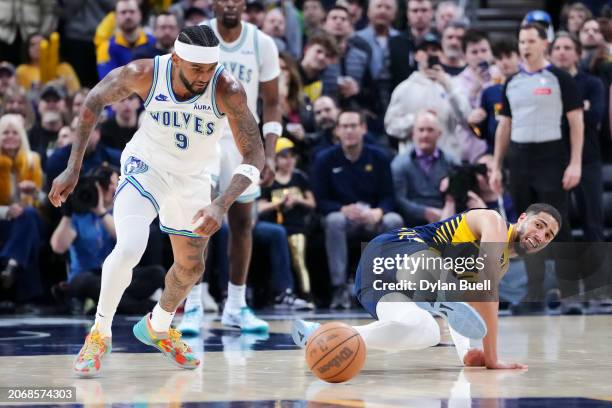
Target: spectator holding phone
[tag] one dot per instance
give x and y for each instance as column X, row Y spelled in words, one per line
column 429, row 88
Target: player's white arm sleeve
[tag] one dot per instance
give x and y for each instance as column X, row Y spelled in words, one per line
column 269, row 66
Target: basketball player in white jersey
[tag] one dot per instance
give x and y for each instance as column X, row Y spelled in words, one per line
column 252, row 57
column 187, row 95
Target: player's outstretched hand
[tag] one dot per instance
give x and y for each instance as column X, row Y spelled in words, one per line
column 62, row 186
column 499, row 365
column 208, row 220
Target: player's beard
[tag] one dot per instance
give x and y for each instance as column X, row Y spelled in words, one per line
column 518, row 248
column 230, row 23
column 187, row 85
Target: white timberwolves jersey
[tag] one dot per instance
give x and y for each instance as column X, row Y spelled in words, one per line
column 251, row 59
column 179, row 137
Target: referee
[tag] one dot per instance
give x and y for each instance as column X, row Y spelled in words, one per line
column 540, row 167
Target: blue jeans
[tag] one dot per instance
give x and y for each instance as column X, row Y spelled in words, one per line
column 20, row 239
column 274, row 237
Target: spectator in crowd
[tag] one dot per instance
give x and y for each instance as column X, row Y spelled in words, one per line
column 274, row 26
column 417, row 173
column 295, row 106
column 447, row 12
column 273, row 238
column 477, row 76
column 16, row 101
column 21, row 19
column 289, row 202
column 428, row 88
column 320, row 51
column 453, row 57
column 116, row 131
column 165, row 31
column 314, row 15
column 255, row 13
column 595, row 53
column 325, row 115
column 348, row 78
column 128, row 38
column 182, row 8
column 420, row 15
column 507, row 62
column 293, row 28
column 540, row 166
column 575, row 15
column 195, row 16
column 52, row 110
column 605, row 23
column 7, row 78
column 377, row 34
column 485, row 197
column 565, row 54
column 87, row 231
column 77, row 102
column 65, row 136
column 357, row 14
column 96, row 154
column 21, row 179
column 29, row 75
column 81, row 18
column 354, row 191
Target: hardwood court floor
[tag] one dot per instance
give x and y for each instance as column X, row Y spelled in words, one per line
column 570, row 364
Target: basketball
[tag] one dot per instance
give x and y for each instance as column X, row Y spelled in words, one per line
column 335, row 352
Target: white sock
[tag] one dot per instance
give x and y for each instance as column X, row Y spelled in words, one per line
column 103, row 324
column 161, row 319
column 236, row 297
column 194, row 298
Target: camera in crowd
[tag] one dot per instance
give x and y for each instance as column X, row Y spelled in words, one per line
column 85, row 197
column 461, row 179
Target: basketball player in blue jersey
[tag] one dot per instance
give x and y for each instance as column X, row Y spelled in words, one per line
column 252, row 57
column 404, row 314
column 187, row 96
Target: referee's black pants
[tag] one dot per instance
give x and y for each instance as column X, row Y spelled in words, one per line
column 536, row 174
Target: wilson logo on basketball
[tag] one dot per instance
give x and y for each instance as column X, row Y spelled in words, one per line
column 542, row 91
column 341, row 357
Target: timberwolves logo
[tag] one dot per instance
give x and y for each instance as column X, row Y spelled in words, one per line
column 134, row 166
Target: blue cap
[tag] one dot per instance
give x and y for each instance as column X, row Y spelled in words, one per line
column 541, row 17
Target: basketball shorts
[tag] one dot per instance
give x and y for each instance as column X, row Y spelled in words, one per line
column 221, row 173
column 176, row 197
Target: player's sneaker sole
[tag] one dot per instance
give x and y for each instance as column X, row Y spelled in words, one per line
column 463, row 318
column 301, row 331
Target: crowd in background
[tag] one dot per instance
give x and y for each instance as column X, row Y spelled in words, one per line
column 390, row 113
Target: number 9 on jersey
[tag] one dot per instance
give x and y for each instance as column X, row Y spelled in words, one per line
column 182, row 142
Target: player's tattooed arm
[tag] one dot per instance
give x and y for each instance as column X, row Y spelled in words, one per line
column 117, row 85
column 233, row 102
column 136, row 78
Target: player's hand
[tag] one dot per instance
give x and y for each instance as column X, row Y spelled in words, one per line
column 62, row 186
column 474, row 358
column 499, row 365
column 208, row 220
column 495, row 181
column 571, row 177
column 268, row 173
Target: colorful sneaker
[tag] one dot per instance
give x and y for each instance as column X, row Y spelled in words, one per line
column 192, row 321
column 89, row 361
column 169, row 343
column 463, row 318
column 301, row 331
column 245, row 320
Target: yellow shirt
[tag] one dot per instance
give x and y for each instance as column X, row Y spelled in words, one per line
column 28, row 76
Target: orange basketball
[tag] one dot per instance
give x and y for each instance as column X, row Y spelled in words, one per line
column 335, row 352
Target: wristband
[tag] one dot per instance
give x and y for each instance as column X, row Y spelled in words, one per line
column 272, row 127
column 250, row 172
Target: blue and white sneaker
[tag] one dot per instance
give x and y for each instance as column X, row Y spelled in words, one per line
column 301, row 331
column 192, row 321
column 463, row 318
column 245, row 320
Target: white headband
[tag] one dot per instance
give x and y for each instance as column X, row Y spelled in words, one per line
column 196, row 53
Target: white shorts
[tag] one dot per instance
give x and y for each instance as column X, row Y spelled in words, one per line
column 177, row 198
column 221, row 173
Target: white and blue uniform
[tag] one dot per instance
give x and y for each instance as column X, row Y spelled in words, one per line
column 167, row 157
column 251, row 59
